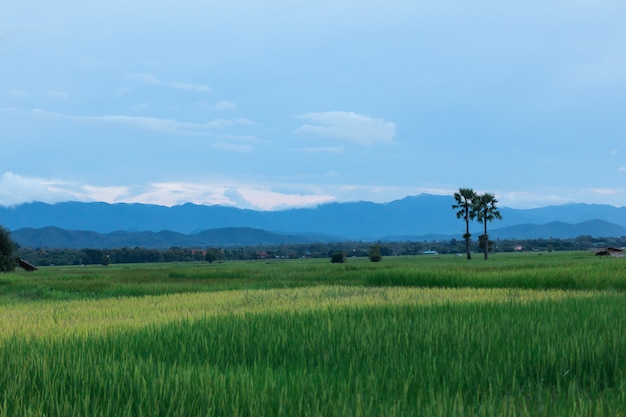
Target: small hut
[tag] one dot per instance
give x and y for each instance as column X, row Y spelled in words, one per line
column 26, row 265
column 614, row 252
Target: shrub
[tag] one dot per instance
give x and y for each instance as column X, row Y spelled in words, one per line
column 7, row 247
column 338, row 257
column 375, row 255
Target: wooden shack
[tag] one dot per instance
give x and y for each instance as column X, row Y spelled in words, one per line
column 614, row 252
column 26, row 265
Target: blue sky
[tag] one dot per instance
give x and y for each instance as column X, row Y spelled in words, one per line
column 276, row 104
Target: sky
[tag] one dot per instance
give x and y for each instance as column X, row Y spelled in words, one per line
column 276, row 104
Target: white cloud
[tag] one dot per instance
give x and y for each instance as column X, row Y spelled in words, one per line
column 606, row 191
column 225, row 105
column 347, row 126
column 144, row 78
column 329, row 149
column 16, row 189
column 59, row 95
column 203, row 105
column 221, row 123
column 169, row 126
column 147, row 78
column 622, row 169
column 175, row 193
column 527, row 199
column 243, row 121
column 237, row 200
column 140, row 106
column 151, row 123
column 19, row 94
column 240, row 138
column 225, row 146
column 266, row 199
column 242, row 196
column 106, row 193
column 191, row 87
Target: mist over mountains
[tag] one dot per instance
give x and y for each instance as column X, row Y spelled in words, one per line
column 421, row 217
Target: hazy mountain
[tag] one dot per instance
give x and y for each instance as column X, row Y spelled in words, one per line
column 559, row 230
column 53, row 237
column 416, row 216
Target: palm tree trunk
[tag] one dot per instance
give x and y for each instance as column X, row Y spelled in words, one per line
column 467, row 237
column 486, row 239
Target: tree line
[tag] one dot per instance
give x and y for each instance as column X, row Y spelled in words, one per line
column 348, row 250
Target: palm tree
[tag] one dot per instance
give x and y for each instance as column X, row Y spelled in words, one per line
column 486, row 211
column 465, row 209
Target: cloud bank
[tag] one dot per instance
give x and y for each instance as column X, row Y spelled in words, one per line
column 16, row 189
column 147, row 78
column 348, row 127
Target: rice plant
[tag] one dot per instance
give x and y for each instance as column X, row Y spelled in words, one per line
column 515, row 336
column 496, row 355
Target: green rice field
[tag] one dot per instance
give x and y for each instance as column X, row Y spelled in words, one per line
column 517, row 335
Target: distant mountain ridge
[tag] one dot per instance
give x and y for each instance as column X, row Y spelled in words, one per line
column 560, row 230
column 53, row 237
column 416, row 216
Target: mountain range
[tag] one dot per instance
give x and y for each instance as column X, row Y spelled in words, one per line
column 421, row 217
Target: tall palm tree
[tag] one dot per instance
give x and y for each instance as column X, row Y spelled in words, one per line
column 465, row 209
column 486, row 211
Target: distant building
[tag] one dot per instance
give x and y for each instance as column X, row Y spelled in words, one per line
column 202, row 251
column 614, row 252
column 26, row 265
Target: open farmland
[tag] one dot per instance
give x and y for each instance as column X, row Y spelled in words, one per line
column 518, row 335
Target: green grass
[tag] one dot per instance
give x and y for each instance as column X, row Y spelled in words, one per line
column 546, row 358
column 517, row 335
column 574, row 270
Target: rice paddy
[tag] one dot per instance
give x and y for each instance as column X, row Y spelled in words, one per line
column 416, row 336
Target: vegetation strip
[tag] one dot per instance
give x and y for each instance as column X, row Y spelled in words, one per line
column 59, row 319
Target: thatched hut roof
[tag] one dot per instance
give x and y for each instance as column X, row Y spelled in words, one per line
column 26, row 265
column 614, row 252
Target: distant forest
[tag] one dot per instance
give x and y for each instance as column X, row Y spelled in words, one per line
column 42, row 256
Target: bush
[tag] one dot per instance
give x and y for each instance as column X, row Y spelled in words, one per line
column 7, row 247
column 375, row 255
column 338, row 257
